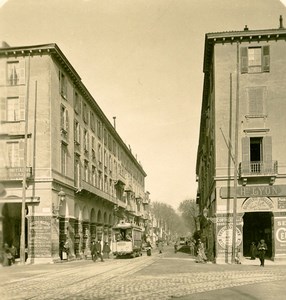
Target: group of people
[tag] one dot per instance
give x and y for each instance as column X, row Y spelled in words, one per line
column 258, row 251
column 97, row 251
column 8, row 255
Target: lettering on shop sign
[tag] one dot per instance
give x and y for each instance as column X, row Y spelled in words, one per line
column 40, row 237
column 254, row 191
column 281, row 203
column 224, row 236
column 257, row 204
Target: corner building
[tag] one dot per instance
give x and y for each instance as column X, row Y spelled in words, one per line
column 243, row 121
column 81, row 177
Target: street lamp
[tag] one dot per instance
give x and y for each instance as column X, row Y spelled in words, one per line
column 61, row 198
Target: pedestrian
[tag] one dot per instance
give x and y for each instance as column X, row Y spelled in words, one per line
column 253, row 251
column 148, row 248
column 66, row 250
column 237, row 256
column 106, row 250
column 201, row 256
column 176, row 247
column 98, row 250
column 262, row 248
column 14, row 253
column 160, row 246
column 93, row 251
column 7, row 256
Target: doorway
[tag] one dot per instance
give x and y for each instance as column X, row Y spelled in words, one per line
column 257, row 226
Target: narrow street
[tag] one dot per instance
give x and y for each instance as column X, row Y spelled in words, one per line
column 161, row 276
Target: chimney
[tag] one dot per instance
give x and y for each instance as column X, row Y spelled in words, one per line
column 281, row 22
column 114, row 122
column 245, row 28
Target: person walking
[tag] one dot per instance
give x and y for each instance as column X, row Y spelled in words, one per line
column 160, row 246
column 201, row 256
column 98, row 251
column 148, row 248
column 253, row 251
column 14, row 253
column 93, row 251
column 262, row 248
column 106, row 250
column 176, row 247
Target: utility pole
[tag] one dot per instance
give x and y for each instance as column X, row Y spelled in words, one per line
column 235, row 158
column 24, row 183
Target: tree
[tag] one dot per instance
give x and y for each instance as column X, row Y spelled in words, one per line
column 189, row 211
column 168, row 218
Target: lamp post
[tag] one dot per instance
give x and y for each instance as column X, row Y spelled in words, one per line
column 61, row 198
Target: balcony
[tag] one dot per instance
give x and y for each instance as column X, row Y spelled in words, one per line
column 250, row 169
column 15, row 173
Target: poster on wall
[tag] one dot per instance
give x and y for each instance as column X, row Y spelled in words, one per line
column 280, row 235
column 224, row 237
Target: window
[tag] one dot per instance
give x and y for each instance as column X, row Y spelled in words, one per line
column 63, row 85
column 77, row 103
column 257, row 154
column 77, row 172
column 256, row 102
column 16, row 72
column 93, row 147
column 86, row 171
column 255, row 59
column 64, row 155
column 76, row 132
column 94, row 176
column 99, row 151
column 86, row 140
column 64, row 119
column 99, row 129
column 100, row 183
column 13, row 150
column 85, row 113
column 92, row 121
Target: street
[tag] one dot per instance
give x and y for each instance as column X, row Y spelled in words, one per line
column 160, row 276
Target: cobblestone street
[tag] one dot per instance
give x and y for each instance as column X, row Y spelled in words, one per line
column 161, row 276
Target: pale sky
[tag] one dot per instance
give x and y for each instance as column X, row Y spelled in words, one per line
column 142, row 61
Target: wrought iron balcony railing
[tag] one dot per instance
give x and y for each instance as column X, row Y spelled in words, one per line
column 258, row 168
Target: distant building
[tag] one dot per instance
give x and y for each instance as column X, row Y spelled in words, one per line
column 81, row 177
column 247, row 66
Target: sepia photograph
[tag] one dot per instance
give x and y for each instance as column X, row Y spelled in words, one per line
column 142, row 149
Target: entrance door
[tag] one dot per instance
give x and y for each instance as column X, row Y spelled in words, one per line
column 257, row 226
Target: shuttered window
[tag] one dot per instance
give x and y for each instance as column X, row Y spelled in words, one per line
column 16, row 72
column 255, row 59
column 256, row 102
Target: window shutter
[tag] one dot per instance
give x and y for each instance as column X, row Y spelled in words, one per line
column 22, row 107
column 265, row 58
column 21, row 153
column 267, row 142
column 245, row 166
column 21, row 71
column 2, row 73
column 67, row 120
column 255, row 101
column 244, row 59
column 3, row 109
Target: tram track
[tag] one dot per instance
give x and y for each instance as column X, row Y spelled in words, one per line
column 56, row 285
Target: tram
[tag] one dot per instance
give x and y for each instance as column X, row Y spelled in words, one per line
column 126, row 240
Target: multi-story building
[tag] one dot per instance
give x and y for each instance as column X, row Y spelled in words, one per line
column 241, row 162
column 79, row 176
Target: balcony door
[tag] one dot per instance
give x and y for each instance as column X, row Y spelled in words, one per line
column 256, row 154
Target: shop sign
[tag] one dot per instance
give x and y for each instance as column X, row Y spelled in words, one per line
column 280, row 236
column 281, row 203
column 254, row 191
column 225, row 234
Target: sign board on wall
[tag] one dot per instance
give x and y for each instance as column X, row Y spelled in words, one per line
column 225, row 234
column 280, row 235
